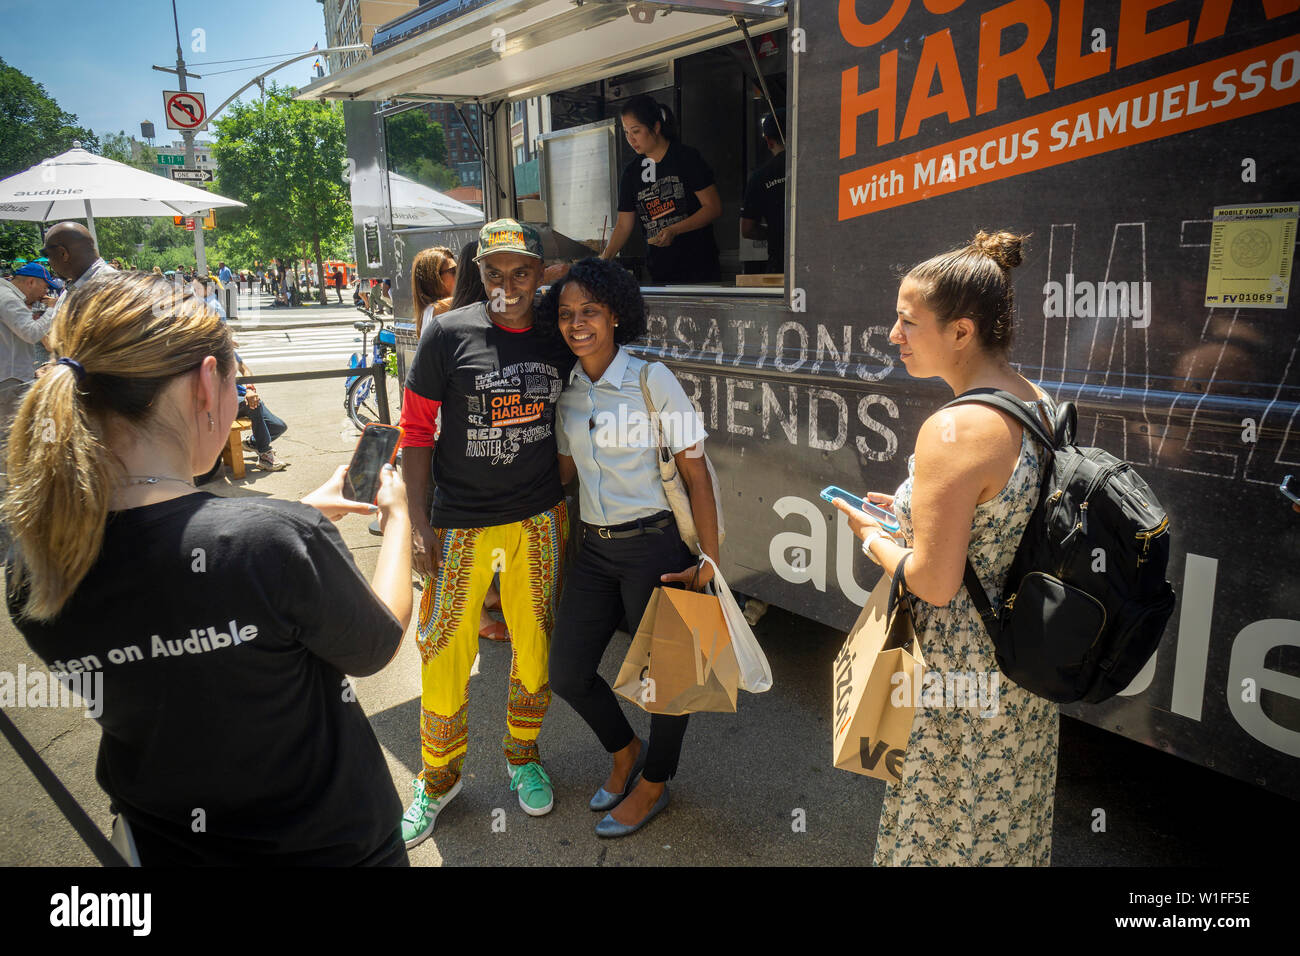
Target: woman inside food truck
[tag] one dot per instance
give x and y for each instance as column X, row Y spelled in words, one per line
column 670, row 190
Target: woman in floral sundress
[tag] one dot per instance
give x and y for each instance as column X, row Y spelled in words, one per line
column 979, row 776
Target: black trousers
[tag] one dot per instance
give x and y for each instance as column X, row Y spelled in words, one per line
column 609, row 579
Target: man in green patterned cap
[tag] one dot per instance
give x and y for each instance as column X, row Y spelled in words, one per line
column 498, row 506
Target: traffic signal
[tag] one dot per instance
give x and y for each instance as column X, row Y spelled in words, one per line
column 209, row 221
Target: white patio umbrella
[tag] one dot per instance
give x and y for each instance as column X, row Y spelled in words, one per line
column 78, row 184
column 415, row 204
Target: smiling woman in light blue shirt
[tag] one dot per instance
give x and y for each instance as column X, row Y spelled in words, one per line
column 630, row 542
column 605, row 429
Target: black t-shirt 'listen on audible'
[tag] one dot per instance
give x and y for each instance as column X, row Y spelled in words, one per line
column 494, row 461
column 223, row 628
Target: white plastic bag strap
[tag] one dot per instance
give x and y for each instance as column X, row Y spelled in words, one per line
column 755, row 672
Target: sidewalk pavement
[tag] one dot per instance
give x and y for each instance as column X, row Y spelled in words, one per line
column 255, row 312
column 731, row 803
column 32, row 830
column 754, row 788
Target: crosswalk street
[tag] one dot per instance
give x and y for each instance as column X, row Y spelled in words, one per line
column 307, row 349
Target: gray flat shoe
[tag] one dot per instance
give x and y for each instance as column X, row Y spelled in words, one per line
column 609, row 827
column 604, row 801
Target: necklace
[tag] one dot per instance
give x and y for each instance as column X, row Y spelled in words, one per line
column 154, row 479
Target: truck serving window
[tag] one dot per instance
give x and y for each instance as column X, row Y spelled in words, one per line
column 718, row 107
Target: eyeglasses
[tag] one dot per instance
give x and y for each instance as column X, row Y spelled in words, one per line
column 46, row 251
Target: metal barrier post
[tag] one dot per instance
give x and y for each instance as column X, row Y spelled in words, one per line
column 380, row 374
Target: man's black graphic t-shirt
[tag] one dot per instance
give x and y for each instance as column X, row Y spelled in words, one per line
column 223, row 628
column 765, row 202
column 669, row 198
column 494, row 461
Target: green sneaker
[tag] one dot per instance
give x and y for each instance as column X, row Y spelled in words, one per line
column 417, row 822
column 533, row 786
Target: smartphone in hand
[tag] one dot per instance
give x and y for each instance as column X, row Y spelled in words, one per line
column 887, row 520
column 1287, row 492
column 376, row 447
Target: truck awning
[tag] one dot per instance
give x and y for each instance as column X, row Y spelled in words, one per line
column 510, row 49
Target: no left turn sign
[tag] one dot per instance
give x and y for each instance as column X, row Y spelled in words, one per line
column 184, row 110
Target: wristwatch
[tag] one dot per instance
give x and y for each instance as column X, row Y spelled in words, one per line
column 866, row 543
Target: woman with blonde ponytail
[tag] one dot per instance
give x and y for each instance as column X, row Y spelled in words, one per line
column 979, row 773
column 220, row 628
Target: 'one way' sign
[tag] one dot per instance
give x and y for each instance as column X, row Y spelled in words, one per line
column 191, row 174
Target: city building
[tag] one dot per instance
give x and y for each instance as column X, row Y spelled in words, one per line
column 354, row 21
column 174, row 155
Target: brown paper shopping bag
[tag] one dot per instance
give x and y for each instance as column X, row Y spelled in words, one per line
column 681, row 659
column 872, row 682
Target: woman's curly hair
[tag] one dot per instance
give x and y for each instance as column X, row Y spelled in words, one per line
column 607, row 283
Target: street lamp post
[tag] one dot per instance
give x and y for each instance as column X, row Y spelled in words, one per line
column 200, row 255
column 200, row 258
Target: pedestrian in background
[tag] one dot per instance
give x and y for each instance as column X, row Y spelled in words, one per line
column 266, row 426
column 469, row 282
column 433, row 277
column 20, row 333
column 73, row 257
column 630, row 541
column 239, row 668
column 976, row 788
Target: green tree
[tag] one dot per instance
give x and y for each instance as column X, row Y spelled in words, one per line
column 433, row 174
column 414, row 135
column 125, row 148
column 32, row 127
column 285, row 160
column 417, row 149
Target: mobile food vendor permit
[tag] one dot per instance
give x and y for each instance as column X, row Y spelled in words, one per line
column 1250, row 256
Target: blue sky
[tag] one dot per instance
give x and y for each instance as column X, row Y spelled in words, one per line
column 94, row 56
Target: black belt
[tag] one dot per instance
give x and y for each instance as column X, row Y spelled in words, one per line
column 631, row 529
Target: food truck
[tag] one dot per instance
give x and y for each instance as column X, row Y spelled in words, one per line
column 1146, row 146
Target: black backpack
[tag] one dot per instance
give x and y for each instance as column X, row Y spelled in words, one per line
column 1086, row 601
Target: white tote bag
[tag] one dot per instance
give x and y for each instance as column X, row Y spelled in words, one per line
column 755, row 673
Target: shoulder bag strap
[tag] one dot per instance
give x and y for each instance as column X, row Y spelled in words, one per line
column 1005, row 401
column 80, row 820
column 980, row 599
column 653, row 411
column 899, row 589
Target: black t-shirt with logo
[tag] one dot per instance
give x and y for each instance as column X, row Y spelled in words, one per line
column 669, row 199
column 223, row 628
column 765, row 202
column 494, row 461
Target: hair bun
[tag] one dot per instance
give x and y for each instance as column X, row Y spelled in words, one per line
column 1004, row 248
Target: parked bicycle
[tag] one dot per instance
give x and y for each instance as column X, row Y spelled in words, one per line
column 361, row 398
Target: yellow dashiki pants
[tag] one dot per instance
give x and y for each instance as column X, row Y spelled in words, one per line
column 528, row 554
